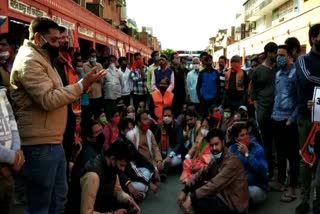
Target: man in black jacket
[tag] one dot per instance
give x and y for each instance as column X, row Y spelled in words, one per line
column 101, row 191
column 169, row 136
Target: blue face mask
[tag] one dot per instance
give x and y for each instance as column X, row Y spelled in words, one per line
column 281, row 61
column 93, row 59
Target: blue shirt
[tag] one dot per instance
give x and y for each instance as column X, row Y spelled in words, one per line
column 285, row 102
column 255, row 164
column 192, row 79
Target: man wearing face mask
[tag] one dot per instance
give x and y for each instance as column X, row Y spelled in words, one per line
column 95, row 94
column 262, row 94
column 69, row 76
column 169, row 136
column 160, row 99
column 285, row 129
column 40, row 102
column 112, row 85
column 307, row 77
column 8, row 46
column 221, row 187
column 208, row 87
column 127, row 81
column 163, row 71
column 236, row 82
column 192, row 79
column 251, row 154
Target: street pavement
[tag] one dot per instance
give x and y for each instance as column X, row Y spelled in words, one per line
column 165, row 201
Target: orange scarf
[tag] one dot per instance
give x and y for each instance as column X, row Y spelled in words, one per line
column 72, row 77
column 164, row 147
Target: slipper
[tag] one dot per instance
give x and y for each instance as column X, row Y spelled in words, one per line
column 287, row 197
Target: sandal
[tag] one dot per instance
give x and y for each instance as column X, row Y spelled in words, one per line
column 288, row 197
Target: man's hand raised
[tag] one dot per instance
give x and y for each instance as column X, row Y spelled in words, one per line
column 92, row 77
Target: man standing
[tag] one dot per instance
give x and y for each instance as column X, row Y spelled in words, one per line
column 179, row 83
column 112, row 85
column 192, row 79
column 294, row 46
column 40, row 103
column 284, row 123
column 63, row 64
column 307, row 77
column 127, row 81
column 236, row 82
column 222, row 71
column 95, row 94
column 150, row 72
column 262, row 94
column 164, row 71
column 208, row 87
column 221, row 187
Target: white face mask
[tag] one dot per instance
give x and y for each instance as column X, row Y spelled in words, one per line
column 93, row 59
column 112, row 66
column 216, row 156
column 196, row 66
column 204, row 132
column 4, row 56
column 167, row 120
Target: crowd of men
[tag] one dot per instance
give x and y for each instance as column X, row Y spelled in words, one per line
column 87, row 134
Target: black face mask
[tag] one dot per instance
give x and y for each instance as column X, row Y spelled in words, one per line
column 53, row 51
column 100, row 139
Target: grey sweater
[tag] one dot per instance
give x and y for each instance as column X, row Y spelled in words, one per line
column 9, row 135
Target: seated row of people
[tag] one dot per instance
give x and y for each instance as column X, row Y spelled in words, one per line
column 150, row 154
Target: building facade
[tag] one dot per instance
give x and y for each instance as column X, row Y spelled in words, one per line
column 91, row 30
column 264, row 21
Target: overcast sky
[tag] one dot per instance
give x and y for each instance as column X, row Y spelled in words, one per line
column 184, row 24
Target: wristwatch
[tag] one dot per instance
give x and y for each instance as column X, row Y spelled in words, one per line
column 246, row 154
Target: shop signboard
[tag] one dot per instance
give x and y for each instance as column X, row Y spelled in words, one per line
column 26, row 9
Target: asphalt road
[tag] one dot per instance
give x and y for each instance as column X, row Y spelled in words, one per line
column 164, row 201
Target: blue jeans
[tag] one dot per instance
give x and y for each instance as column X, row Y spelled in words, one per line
column 45, row 175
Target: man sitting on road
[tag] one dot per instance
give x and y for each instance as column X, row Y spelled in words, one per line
column 221, row 187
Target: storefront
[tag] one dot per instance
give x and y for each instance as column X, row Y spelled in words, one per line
column 90, row 30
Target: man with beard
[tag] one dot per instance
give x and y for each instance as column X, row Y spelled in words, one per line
column 308, row 77
column 68, row 75
column 262, row 94
column 101, row 190
column 169, row 136
column 221, row 187
column 93, row 139
column 40, row 103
